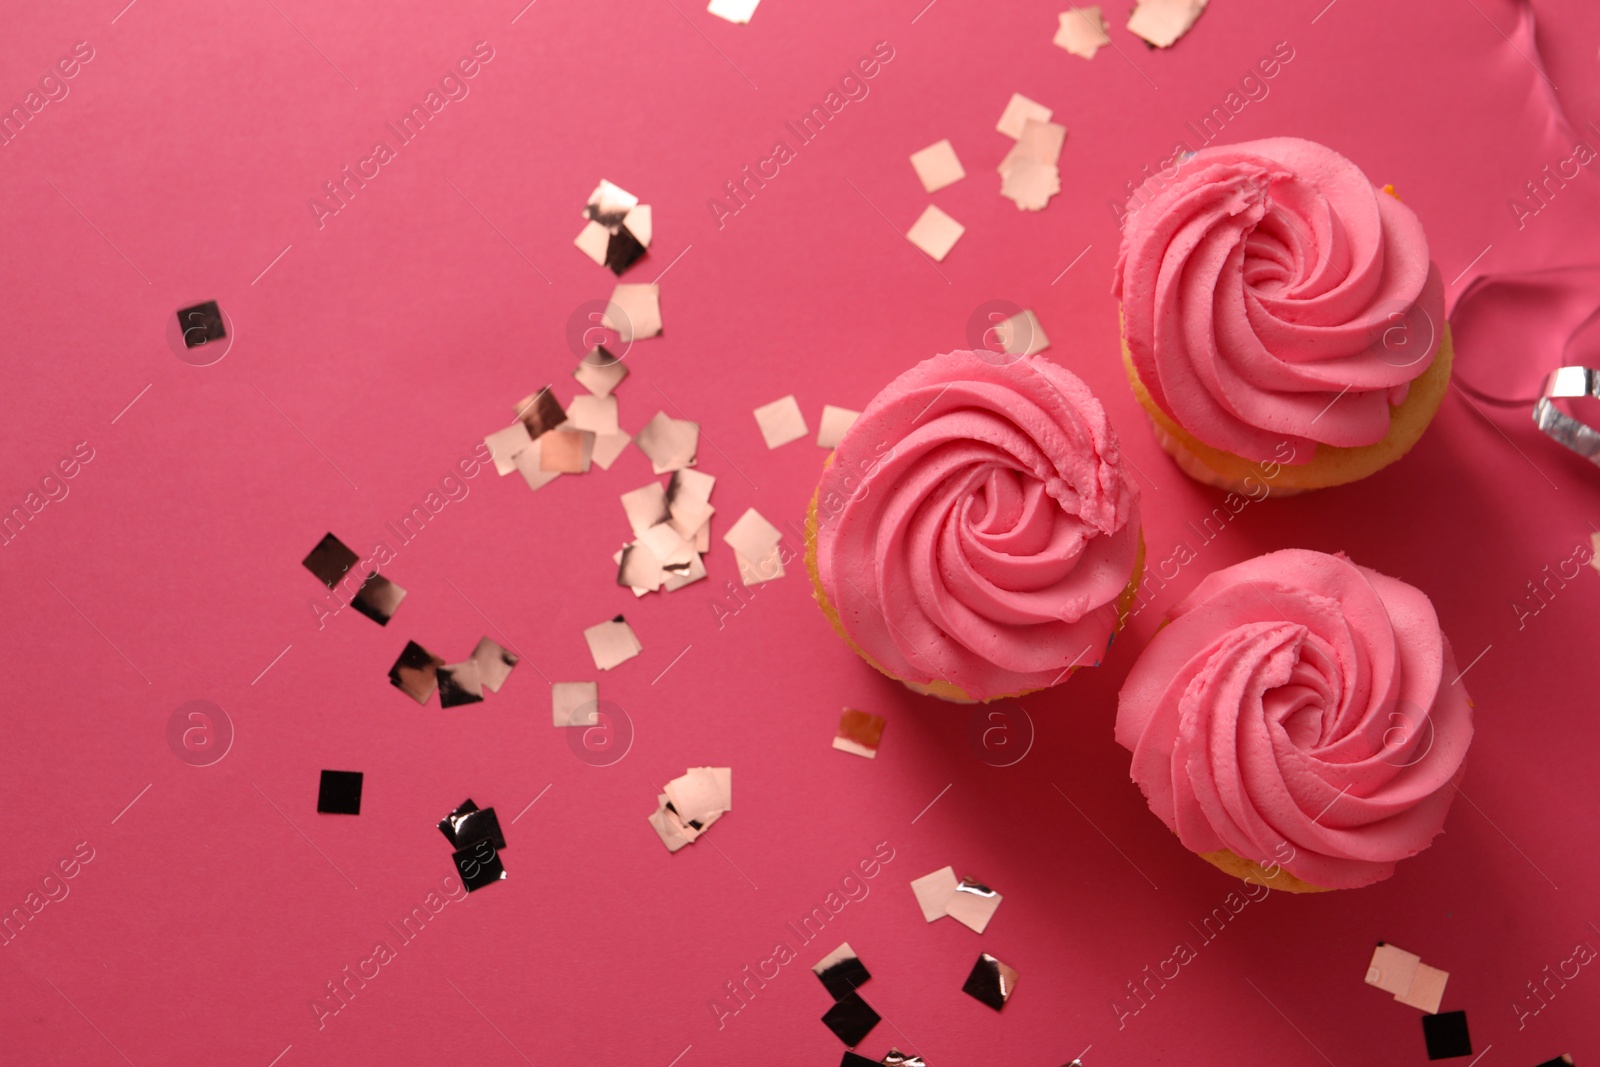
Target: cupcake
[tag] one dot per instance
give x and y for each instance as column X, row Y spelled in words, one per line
column 975, row 534
column 1297, row 722
column 1281, row 319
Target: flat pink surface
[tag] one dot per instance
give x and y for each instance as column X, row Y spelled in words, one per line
column 386, row 343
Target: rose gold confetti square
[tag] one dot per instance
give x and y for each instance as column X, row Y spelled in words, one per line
column 934, row 891
column 1426, row 991
column 600, row 372
column 1018, row 111
column 973, row 904
column 540, row 412
column 670, row 443
column 634, row 312
column 835, row 423
column 1030, row 184
column 781, row 421
column 1022, row 335
column 529, row 465
column 645, row 506
column 592, row 241
column 494, row 663
column 1040, row 140
column 566, row 451
column 612, row 643
column 608, row 446
column 597, row 414
column 752, row 537
column 1392, row 968
column 609, row 204
column 738, row 11
column 937, row 166
column 766, row 568
column 504, row 446
column 1082, row 31
column 1162, row 22
column 859, row 733
column 935, row 232
column 568, row 698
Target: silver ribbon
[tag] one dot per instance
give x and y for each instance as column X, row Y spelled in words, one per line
column 1557, row 424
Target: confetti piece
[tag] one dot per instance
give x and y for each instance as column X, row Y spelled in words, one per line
column 937, row 166
column 609, row 204
column 567, row 698
column 634, row 311
column 935, row 233
column 859, row 733
column 691, row 803
column 592, row 241
column 607, row 447
column 851, row 1019
column 670, row 443
column 597, row 414
column 339, row 793
column 1162, row 22
column 600, row 372
column 1426, row 991
column 1030, row 184
column 540, row 412
column 841, row 972
column 330, row 560
column 1022, row 335
column 835, row 423
column 972, row 905
column 934, row 891
column 504, row 446
column 991, row 982
column 494, row 663
column 378, row 598
column 644, row 507
column 1040, row 141
column 781, row 421
column 1018, row 111
column 612, row 643
column 1446, row 1035
column 447, row 825
column 1082, row 31
column 478, row 866
column 1392, row 968
column 459, row 684
column 738, row 11
column 415, row 673
column 530, row 465
column 566, row 451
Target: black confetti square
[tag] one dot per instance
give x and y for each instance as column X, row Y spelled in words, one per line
column 339, row 793
column 378, row 598
column 1446, row 1035
column 330, row 560
column 851, row 1019
column 447, row 825
column 478, row 866
column 482, row 825
column 853, row 1060
column 201, row 324
column 844, row 977
column 1564, row 1060
column 990, row 982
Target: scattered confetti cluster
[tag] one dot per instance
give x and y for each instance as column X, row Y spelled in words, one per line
column 475, row 835
column 1394, row 970
column 691, row 803
column 378, row 598
column 671, row 532
column 1030, row 173
column 859, row 733
column 967, row 901
column 418, row 672
column 850, row 1018
column 618, row 231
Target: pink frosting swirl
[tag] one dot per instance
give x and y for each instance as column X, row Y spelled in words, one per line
column 976, row 526
column 1270, row 293
column 1298, row 711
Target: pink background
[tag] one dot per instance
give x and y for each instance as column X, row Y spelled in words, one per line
column 400, row 333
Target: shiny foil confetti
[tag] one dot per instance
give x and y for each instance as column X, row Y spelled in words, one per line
column 1018, row 111
column 895, row 1058
column 596, row 414
column 1446, row 1036
column 618, row 230
column 1021, row 334
column 1082, row 31
column 851, row 1019
column 330, row 560
column 859, row 733
column 935, row 232
column 1406, row 977
column 459, row 684
column 607, row 447
column 530, row 464
column 540, row 412
column 755, row 541
column 612, row 643
column 738, row 11
column 670, row 444
column 634, row 312
column 1162, row 22
column 1426, row 991
column 566, row 451
column 973, row 904
column 937, row 166
column 339, row 793
column 447, row 825
column 840, row 972
column 494, row 663
column 933, row 892
column 781, row 422
column 991, row 982
column 415, row 673
column 479, row 866
column 690, row 803
column 835, row 422
column 378, row 598
column 1029, row 173
column 568, row 699
column 600, row 372
column 505, row 444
